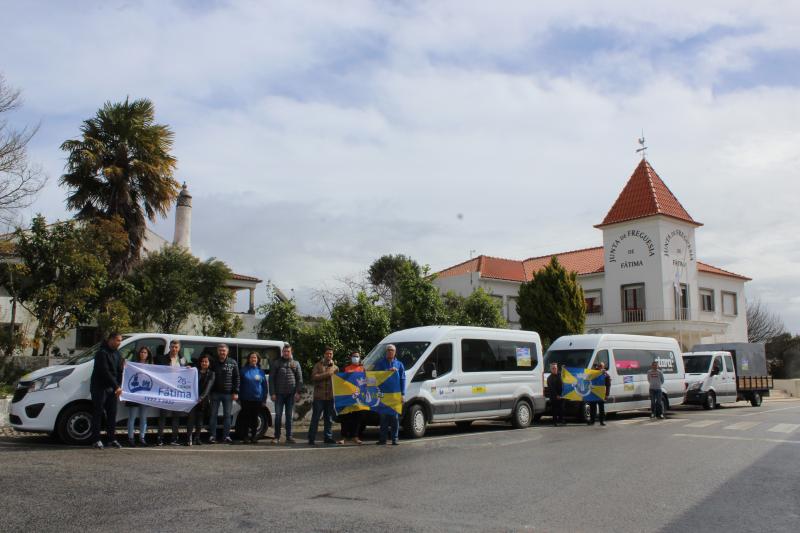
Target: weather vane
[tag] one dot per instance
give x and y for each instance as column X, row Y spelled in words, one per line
column 643, row 148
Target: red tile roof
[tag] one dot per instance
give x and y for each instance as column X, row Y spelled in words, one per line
column 242, row 277
column 585, row 261
column 645, row 195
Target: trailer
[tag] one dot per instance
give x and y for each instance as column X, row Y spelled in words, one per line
column 753, row 382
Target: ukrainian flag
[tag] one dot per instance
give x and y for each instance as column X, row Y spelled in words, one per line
column 367, row 391
column 583, row 384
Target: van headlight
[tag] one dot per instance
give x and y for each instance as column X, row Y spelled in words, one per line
column 50, row 381
column 697, row 385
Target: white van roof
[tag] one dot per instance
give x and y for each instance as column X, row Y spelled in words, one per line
column 591, row 341
column 690, row 354
column 436, row 333
column 218, row 340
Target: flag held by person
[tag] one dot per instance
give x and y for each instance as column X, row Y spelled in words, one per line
column 583, row 384
column 165, row 387
column 367, row 391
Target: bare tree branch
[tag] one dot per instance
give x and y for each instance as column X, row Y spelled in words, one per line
column 762, row 324
column 20, row 181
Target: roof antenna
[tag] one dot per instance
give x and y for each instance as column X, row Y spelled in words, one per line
column 643, row 148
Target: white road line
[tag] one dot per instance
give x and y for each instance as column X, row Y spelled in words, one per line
column 784, row 428
column 702, row 423
column 742, row 426
column 770, row 411
column 728, row 437
column 630, row 421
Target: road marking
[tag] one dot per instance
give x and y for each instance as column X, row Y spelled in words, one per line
column 631, row 421
column 729, row 437
column 784, row 428
column 702, row 423
column 742, row 426
column 771, row 411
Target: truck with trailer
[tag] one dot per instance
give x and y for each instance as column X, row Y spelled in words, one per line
column 752, row 381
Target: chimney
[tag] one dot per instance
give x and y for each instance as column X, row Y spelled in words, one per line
column 183, row 220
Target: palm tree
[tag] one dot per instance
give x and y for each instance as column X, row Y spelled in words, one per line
column 122, row 167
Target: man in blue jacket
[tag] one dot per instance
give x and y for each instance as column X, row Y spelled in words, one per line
column 105, row 386
column 391, row 421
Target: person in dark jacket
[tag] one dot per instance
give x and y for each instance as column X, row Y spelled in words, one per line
column 285, row 383
column 144, row 357
column 252, row 395
column 205, row 384
column 225, row 392
column 105, row 386
column 171, row 358
column 601, row 404
column 554, row 386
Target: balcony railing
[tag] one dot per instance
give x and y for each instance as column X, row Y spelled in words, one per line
column 633, row 315
column 650, row 314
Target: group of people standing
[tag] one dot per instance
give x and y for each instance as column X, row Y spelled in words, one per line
column 220, row 383
column 555, row 385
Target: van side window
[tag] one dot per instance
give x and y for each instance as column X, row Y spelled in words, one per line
column 440, row 360
column 191, row 351
column 633, row 362
column 729, row 364
column 157, row 347
column 601, row 357
column 481, row 355
column 265, row 354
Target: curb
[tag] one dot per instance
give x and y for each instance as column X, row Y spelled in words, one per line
column 5, row 405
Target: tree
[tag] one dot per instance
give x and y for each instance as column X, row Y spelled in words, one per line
column 214, row 300
column 60, row 277
column 762, row 324
column 359, row 324
column 477, row 309
column 783, row 356
column 384, row 275
column 172, row 284
column 552, row 303
column 20, row 181
column 416, row 301
column 121, row 166
column 281, row 320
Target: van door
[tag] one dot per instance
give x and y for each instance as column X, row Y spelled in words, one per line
column 715, row 377
column 434, row 377
column 729, row 379
column 477, row 387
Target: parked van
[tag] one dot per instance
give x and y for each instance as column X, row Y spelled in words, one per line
column 461, row 374
column 627, row 358
column 56, row 399
column 711, row 379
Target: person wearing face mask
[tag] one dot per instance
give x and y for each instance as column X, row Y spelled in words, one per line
column 351, row 423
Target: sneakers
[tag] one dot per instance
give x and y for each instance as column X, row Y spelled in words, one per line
column 662, row 417
column 212, row 440
column 160, row 441
column 602, row 423
column 115, row 444
column 395, row 443
column 143, row 442
column 98, row 445
column 652, row 416
column 175, row 442
column 227, row 440
column 275, row 441
column 290, row 440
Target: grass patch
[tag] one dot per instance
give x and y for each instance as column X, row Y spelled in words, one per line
column 6, row 390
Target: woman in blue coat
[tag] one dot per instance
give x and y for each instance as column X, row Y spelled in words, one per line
column 252, row 395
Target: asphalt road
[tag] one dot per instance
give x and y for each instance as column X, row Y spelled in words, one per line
column 734, row 469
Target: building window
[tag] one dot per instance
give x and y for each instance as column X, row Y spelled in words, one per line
column 86, row 336
column 707, row 300
column 729, row 305
column 681, row 302
column 594, row 302
column 633, row 309
column 512, row 315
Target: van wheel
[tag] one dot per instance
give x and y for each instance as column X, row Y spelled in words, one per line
column 463, row 425
column 711, row 401
column 522, row 416
column 417, row 424
column 755, row 399
column 585, row 413
column 74, row 425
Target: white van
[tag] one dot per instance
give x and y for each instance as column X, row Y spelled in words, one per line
column 627, row 358
column 56, row 399
column 461, row 374
column 711, row 379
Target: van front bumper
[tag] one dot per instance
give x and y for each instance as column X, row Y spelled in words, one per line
column 695, row 397
column 34, row 411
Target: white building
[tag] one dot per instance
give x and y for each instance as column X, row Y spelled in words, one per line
column 644, row 279
column 87, row 335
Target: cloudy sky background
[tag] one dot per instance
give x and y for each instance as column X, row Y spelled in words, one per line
column 317, row 136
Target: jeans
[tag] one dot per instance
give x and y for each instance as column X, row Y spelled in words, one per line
column 162, row 420
column 602, row 406
column 284, row 402
column 227, row 405
column 324, row 408
column 134, row 412
column 104, row 401
column 656, row 405
column 390, row 422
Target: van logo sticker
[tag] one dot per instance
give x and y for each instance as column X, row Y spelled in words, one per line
column 479, row 389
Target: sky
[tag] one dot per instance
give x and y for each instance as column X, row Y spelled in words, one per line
column 317, row 136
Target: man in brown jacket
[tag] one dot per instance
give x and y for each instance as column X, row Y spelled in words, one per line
column 322, row 377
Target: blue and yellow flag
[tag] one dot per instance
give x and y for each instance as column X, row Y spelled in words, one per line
column 367, row 391
column 583, row 384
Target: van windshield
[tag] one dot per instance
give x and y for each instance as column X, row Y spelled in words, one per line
column 697, row 364
column 408, row 353
column 87, row 354
column 571, row 358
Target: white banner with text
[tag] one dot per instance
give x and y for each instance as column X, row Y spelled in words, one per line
column 165, row 387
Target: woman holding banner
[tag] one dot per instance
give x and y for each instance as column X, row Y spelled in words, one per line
column 144, row 357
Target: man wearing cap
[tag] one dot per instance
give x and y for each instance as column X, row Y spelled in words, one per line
column 391, row 422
